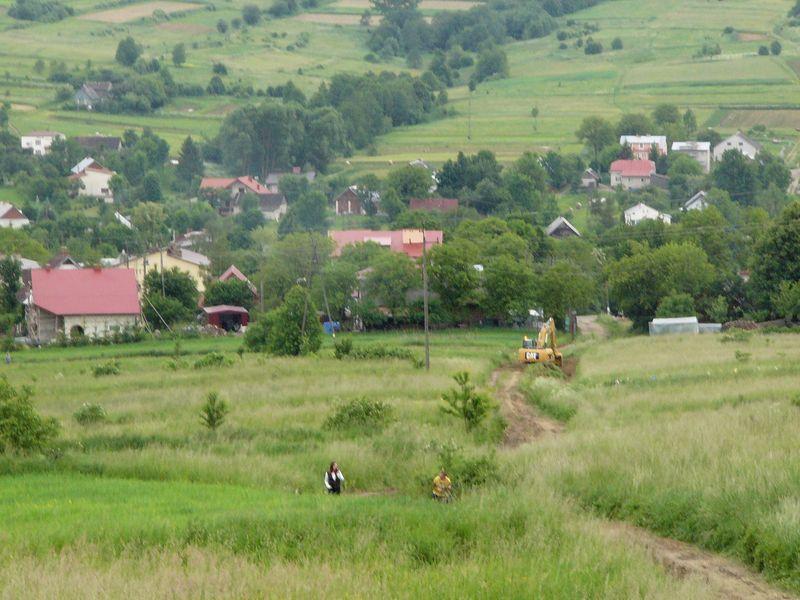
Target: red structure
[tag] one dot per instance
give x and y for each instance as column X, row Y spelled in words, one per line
column 229, row 318
column 407, row 241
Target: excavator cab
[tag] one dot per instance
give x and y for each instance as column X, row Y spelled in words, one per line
column 544, row 350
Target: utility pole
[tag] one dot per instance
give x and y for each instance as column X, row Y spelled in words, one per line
column 425, row 301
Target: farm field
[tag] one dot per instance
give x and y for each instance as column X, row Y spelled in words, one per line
column 690, row 438
column 659, row 63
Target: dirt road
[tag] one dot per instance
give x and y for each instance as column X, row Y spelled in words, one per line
column 524, row 423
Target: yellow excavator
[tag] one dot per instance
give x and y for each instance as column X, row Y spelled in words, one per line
column 544, row 350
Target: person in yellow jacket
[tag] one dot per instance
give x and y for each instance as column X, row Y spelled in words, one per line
column 442, row 486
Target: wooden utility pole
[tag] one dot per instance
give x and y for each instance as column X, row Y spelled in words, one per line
column 425, row 301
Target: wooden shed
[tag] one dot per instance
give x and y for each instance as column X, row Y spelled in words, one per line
column 224, row 316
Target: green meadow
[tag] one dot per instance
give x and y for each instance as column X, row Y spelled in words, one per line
column 659, row 63
column 693, row 438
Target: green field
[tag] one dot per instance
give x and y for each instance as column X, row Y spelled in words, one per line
column 691, row 438
column 736, row 89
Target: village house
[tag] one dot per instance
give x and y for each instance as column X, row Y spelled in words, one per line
column 631, row 174
column 99, row 143
column 441, row 205
column 73, row 303
column 93, row 94
column 697, row 202
column 39, row 142
column 407, row 241
column 699, row 151
column 272, row 180
column 232, row 190
column 233, row 272
column 11, row 217
column 349, row 201
column 94, row 179
column 561, row 228
column 193, row 263
column 738, row 141
column 641, row 212
column 63, row 261
column 642, row 145
column 25, row 264
column 590, row 180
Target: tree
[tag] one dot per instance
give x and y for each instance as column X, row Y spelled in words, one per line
column 509, row 287
column 634, row 124
column 453, row 276
column 293, row 329
column 10, row 283
column 309, row 213
column 233, row 292
column 676, row 305
column 150, row 219
column 4, row 108
column 215, row 87
column 787, row 300
column 492, row 62
column 179, row 54
column 169, row 297
column 22, row 429
column 736, row 174
column 410, row 182
column 775, row 48
column 666, row 114
column 639, row 282
column 393, row 276
column 534, row 116
column 565, row 286
column 151, row 188
column 775, row 256
column 592, row 47
column 190, row 161
column 128, row 51
column 616, row 44
column 214, row 411
column 763, row 51
column 465, row 403
column 597, row 133
column 690, row 120
column 222, row 26
column 392, row 204
column 251, row 14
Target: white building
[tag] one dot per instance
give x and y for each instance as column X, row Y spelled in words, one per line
column 699, row 151
column 94, row 179
column 697, row 202
column 12, row 217
column 642, row 145
column 641, row 212
column 39, row 142
column 738, row 141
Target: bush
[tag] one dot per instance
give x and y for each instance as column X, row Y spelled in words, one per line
column 251, row 14
column 763, row 51
column 465, row 403
column 213, row 359
column 467, row 472
column 342, row 347
column 775, row 48
column 108, row 368
column 22, row 429
column 362, row 415
column 728, row 30
column 43, row 11
column 592, row 47
column 219, row 69
column 616, row 44
column 89, row 414
column 214, row 411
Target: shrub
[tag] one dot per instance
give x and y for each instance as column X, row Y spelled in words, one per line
column 214, row 411
column 108, row 368
column 213, row 359
column 763, row 51
column 219, row 69
column 251, row 14
column 741, row 356
column 775, row 48
column 465, row 403
column 616, row 44
column 22, row 429
column 467, row 472
column 728, row 30
column 592, row 47
column 89, row 414
column 342, row 347
column 363, row 415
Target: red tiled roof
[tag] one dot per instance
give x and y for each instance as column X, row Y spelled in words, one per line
column 407, row 241
column 223, row 183
column 633, row 168
column 86, row 291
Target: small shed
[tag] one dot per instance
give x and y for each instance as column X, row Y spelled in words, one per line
column 224, row 316
column 674, row 325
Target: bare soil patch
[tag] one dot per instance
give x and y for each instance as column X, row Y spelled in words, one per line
column 728, row 579
column 22, row 107
column 751, row 37
column 138, row 11
column 424, row 5
column 745, row 119
column 524, row 423
column 332, row 19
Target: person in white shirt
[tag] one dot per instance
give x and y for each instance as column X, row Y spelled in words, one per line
column 333, row 479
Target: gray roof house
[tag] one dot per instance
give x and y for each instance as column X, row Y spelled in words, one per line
column 92, row 94
column 697, row 202
column 561, row 228
column 738, row 141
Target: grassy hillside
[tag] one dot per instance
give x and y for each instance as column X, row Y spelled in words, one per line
column 657, row 64
column 690, row 437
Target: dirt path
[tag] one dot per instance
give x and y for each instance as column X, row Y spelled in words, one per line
column 588, row 325
column 524, row 422
column 727, row 579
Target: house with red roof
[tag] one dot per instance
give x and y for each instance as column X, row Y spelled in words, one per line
column 11, row 216
column 632, row 174
column 76, row 302
column 229, row 191
column 408, row 241
column 233, row 272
